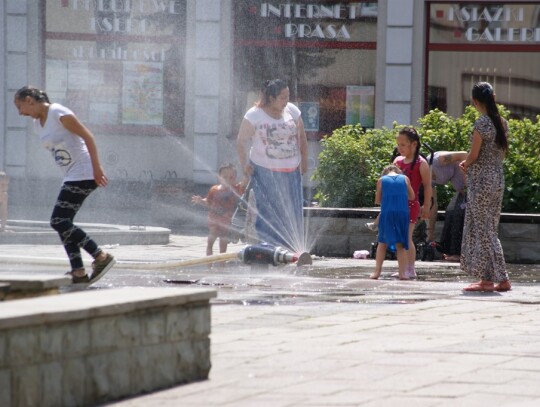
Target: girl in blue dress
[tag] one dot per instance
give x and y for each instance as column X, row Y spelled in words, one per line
column 393, row 193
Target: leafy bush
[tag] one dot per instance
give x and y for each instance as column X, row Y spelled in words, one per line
column 344, row 169
column 352, row 160
column 522, row 167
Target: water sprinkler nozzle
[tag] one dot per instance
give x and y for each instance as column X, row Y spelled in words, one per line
column 267, row 254
column 304, row 259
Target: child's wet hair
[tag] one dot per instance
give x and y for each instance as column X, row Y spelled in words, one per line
column 226, row 167
column 389, row 168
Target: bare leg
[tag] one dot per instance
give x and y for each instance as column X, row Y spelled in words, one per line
column 3, row 215
column 4, row 181
column 379, row 260
column 401, row 255
column 411, row 251
column 210, row 244
column 223, row 244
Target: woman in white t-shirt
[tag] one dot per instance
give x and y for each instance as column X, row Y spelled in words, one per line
column 73, row 147
column 272, row 149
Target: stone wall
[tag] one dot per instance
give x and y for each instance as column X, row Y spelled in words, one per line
column 339, row 232
column 90, row 347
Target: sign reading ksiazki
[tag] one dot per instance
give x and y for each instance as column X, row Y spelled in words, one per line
column 508, row 23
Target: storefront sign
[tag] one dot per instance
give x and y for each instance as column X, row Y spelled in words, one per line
column 116, row 62
column 315, row 20
column 121, row 16
column 511, row 23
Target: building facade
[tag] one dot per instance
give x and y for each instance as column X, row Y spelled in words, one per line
column 164, row 84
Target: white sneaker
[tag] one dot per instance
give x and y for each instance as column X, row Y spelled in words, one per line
column 372, row 226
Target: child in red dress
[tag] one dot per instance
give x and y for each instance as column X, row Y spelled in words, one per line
column 417, row 170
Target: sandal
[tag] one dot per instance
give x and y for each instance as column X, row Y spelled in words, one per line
column 451, row 258
column 503, row 286
column 481, row 286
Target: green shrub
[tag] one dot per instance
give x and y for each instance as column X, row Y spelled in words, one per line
column 352, row 160
column 343, row 169
column 522, row 167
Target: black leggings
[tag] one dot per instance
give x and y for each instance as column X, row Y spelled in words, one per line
column 72, row 195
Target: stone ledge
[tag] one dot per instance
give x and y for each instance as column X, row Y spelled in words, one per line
column 40, row 232
column 95, row 303
column 371, row 213
column 34, row 281
column 91, row 347
column 519, row 233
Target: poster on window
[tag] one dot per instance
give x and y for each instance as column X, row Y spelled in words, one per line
column 142, row 93
column 360, row 105
column 310, row 115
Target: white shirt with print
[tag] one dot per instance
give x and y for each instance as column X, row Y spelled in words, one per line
column 275, row 143
column 68, row 149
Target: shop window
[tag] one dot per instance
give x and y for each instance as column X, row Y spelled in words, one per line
column 325, row 50
column 436, row 98
column 118, row 64
column 497, row 42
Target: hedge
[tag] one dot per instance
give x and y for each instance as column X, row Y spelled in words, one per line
column 352, row 159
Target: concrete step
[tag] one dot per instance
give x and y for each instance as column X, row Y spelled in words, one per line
column 40, row 232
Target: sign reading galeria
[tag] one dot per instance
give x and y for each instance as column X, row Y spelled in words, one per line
column 117, row 62
column 311, row 20
column 485, row 23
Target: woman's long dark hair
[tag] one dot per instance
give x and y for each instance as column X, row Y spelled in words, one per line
column 37, row 94
column 483, row 93
column 271, row 89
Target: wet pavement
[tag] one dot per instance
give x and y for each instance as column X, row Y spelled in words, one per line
column 326, row 334
column 327, row 280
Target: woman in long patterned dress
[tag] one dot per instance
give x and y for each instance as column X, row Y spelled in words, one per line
column 481, row 252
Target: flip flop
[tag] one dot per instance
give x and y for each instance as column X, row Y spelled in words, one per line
column 480, row 287
column 503, row 286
